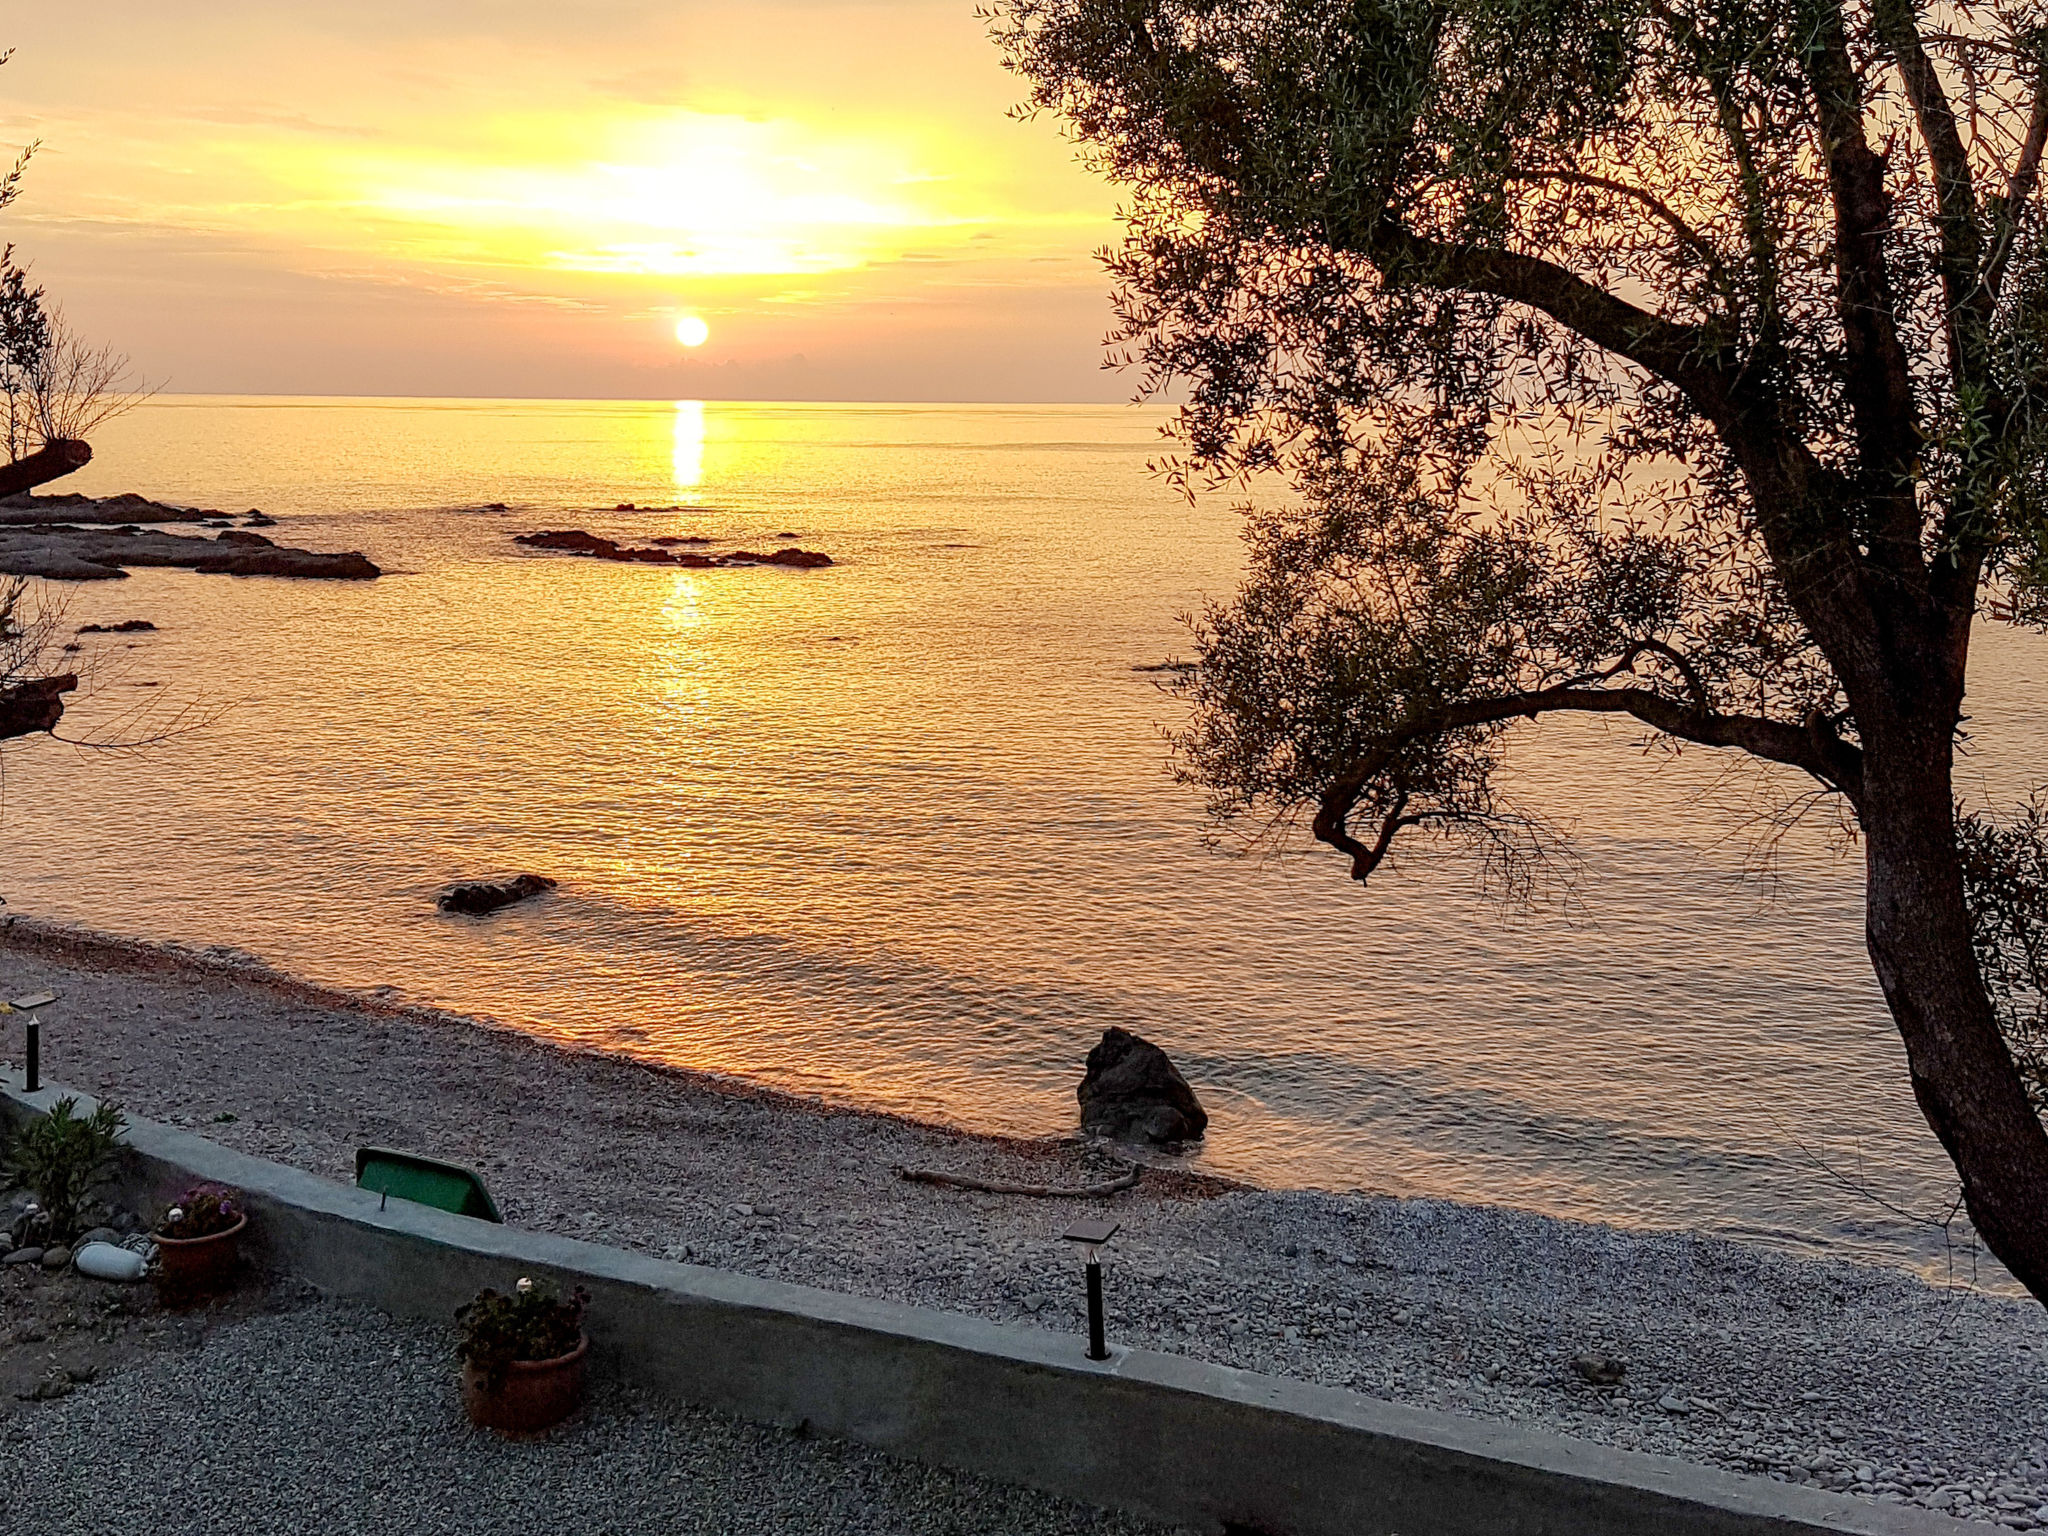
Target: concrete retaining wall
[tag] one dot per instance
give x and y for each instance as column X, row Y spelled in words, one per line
column 1162, row 1436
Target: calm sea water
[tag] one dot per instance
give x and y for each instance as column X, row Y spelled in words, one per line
column 899, row 833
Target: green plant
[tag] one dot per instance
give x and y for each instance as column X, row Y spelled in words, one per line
column 202, row 1211
column 533, row 1323
column 62, row 1157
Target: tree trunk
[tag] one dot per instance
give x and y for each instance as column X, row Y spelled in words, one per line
column 59, row 457
column 34, row 706
column 1918, row 930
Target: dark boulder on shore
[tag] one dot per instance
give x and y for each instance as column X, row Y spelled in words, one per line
column 1132, row 1092
column 474, row 898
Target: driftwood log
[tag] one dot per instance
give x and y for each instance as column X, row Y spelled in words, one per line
column 47, row 463
column 1128, row 1179
column 34, row 706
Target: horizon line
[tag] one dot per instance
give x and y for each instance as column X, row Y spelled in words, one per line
column 164, row 396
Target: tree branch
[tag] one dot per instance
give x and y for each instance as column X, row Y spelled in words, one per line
column 1658, row 208
column 33, row 706
column 1879, row 380
column 1955, row 191
column 2008, row 211
column 1795, row 495
column 1812, row 747
column 1680, row 355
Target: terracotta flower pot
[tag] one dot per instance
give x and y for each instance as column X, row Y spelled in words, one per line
column 536, row 1394
column 195, row 1266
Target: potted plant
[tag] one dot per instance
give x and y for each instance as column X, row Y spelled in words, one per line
column 61, row 1157
column 197, row 1242
column 522, row 1357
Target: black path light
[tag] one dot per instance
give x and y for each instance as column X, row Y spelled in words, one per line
column 1091, row 1235
column 32, row 1077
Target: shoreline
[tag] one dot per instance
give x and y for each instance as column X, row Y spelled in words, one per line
column 74, row 944
column 1823, row 1371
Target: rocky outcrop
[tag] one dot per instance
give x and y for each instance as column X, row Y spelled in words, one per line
column 124, row 508
column 575, row 541
column 1132, row 1092
column 125, row 627
column 60, row 553
column 474, row 898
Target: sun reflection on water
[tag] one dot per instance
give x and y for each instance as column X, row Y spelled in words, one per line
column 689, row 447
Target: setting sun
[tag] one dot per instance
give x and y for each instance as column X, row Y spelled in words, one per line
column 691, row 331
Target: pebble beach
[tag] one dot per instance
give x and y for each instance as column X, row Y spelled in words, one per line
column 1864, row 1379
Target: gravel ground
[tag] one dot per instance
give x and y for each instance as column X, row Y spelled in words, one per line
column 1864, row 1379
column 339, row 1420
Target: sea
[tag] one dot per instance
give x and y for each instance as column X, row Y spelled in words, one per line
column 902, row 833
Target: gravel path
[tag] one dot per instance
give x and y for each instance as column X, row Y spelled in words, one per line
column 1857, row 1378
column 338, row 1420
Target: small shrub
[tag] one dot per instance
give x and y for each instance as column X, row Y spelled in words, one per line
column 62, row 1158
column 201, row 1211
column 532, row 1323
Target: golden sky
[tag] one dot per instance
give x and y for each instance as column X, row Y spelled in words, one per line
column 514, row 198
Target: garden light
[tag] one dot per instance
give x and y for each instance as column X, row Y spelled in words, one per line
column 1091, row 1235
column 32, row 1078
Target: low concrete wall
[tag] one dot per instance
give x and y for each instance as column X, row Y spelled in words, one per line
column 1161, row 1436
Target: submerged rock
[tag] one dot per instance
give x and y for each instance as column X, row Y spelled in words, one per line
column 575, row 541
column 1132, row 1092
column 477, row 897
column 806, row 559
column 125, row 627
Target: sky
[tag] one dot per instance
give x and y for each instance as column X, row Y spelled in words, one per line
column 453, row 197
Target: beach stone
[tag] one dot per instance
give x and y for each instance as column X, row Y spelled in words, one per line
column 1132, row 1092
column 477, row 897
column 24, row 1256
column 56, row 1258
column 1600, row 1370
column 98, row 1235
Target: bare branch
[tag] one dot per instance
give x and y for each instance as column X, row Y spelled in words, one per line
column 1835, row 763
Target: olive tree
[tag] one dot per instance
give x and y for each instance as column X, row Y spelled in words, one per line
column 1677, row 360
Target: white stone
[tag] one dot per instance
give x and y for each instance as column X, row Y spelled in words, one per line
column 103, row 1261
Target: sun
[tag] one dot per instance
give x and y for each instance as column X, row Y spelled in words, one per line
column 691, row 331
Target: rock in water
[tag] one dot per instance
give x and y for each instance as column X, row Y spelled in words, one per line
column 1131, row 1092
column 477, row 897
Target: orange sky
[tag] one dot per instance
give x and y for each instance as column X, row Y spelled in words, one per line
column 515, row 198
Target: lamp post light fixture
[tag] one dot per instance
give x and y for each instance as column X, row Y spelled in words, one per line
column 32, row 1077
column 1092, row 1235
